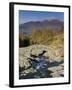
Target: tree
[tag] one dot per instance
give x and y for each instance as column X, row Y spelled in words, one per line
column 44, row 36
column 24, row 40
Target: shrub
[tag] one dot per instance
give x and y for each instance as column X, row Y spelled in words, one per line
column 42, row 37
column 24, row 40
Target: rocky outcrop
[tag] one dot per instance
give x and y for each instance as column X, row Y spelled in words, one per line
column 57, row 71
column 51, row 55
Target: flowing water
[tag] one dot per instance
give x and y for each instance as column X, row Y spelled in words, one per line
column 41, row 67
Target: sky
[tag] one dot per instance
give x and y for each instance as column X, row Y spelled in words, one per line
column 27, row 16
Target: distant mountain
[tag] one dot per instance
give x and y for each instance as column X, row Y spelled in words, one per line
column 28, row 27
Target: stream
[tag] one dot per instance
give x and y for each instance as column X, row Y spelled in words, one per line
column 41, row 67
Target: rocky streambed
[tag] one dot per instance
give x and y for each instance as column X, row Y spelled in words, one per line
column 39, row 61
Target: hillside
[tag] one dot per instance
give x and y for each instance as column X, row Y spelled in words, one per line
column 28, row 27
column 41, row 54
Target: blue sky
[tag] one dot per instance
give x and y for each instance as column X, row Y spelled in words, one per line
column 26, row 16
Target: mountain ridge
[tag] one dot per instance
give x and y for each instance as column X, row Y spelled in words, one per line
column 54, row 24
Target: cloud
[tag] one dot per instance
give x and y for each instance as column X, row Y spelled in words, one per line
column 51, row 18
